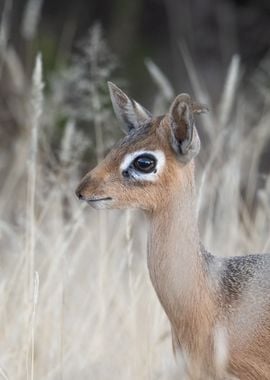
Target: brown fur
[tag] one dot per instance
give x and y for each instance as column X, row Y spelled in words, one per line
column 203, row 296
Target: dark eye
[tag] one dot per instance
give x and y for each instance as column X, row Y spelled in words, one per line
column 146, row 163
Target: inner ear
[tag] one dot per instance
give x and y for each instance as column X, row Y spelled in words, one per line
column 182, row 125
column 185, row 139
column 130, row 113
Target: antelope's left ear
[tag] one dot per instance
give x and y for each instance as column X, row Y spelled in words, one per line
column 130, row 113
column 184, row 136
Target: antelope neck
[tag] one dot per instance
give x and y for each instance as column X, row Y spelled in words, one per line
column 174, row 258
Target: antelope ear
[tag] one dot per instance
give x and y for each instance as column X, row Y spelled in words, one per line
column 130, row 113
column 184, row 136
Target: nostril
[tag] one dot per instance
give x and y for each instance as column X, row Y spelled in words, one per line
column 79, row 194
column 82, row 187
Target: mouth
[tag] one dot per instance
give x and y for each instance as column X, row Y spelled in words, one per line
column 92, row 200
column 100, row 203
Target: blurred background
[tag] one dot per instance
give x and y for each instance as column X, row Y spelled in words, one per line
column 213, row 31
column 75, row 297
column 169, row 32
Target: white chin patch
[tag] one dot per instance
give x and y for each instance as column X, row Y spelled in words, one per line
column 126, row 165
column 102, row 204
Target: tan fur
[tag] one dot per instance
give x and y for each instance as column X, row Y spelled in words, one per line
column 189, row 282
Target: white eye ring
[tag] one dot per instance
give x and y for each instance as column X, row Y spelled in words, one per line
column 153, row 176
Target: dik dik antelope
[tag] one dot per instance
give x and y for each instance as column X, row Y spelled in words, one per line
column 218, row 307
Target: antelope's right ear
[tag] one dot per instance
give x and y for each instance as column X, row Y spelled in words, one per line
column 184, row 136
column 130, row 113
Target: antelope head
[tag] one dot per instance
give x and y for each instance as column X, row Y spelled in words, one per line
column 149, row 161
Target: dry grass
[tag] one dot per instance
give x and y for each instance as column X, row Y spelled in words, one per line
column 75, row 296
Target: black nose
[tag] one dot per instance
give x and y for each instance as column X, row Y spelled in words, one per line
column 79, row 194
column 80, row 191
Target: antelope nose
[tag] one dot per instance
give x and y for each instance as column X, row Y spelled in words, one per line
column 79, row 194
column 85, row 188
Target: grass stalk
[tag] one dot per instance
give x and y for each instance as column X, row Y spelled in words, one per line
column 35, row 112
